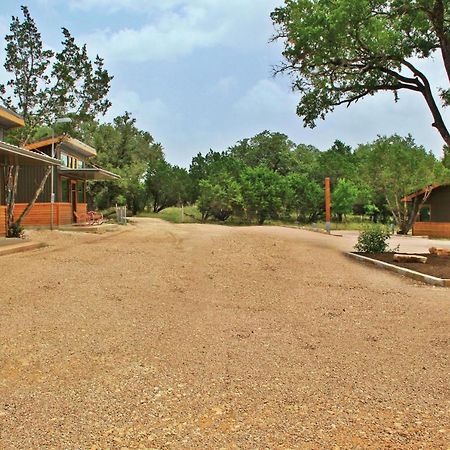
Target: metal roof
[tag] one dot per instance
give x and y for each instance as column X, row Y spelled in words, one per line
column 89, row 173
column 12, row 155
column 9, row 119
column 66, row 142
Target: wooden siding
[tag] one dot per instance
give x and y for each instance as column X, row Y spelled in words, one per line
column 29, row 180
column 40, row 214
column 432, row 229
column 2, row 220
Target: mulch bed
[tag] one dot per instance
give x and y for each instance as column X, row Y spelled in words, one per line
column 436, row 266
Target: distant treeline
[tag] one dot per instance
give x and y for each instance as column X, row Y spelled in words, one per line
column 264, row 177
column 270, row 177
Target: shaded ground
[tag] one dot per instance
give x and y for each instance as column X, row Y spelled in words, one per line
column 200, row 336
column 436, row 266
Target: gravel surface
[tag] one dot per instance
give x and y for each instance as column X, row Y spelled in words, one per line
column 201, row 336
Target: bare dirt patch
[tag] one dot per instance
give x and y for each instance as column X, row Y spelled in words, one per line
column 197, row 336
column 436, row 266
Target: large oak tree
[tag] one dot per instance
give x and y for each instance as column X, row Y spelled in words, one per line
column 339, row 51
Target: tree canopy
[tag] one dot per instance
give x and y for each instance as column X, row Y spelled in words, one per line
column 45, row 84
column 339, row 51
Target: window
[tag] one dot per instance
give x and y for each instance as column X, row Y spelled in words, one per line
column 425, row 214
column 80, row 189
column 65, row 159
column 65, row 190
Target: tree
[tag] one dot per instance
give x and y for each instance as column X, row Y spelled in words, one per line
column 166, row 185
column 219, row 198
column 395, row 167
column 343, row 198
column 446, row 158
column 44, row 85
column 271, row 150
column 263, row 193
column 124, row 149
column 213, row 166
column 306, row 197
column 337, row 163
column 340, row 51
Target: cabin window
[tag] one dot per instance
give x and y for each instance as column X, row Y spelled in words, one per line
column 65, row 159
column 80, row 189
column 65, row 190
column 425, row 213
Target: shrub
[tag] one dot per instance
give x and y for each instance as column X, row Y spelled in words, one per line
column 16, row 231
column 373, row 240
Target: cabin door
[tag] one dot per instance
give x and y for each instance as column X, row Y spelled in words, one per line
column 74, row 199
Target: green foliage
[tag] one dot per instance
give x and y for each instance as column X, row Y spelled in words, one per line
column 123, row 149
column 393, row 167
column 306, row 197
column 344, row 197
column 166, row 185
column 15, row 231
column 339, row 51
column 219, row 198
column 373, row 240
column 337, row 162
column 44, row 84
column 267, row 149
column 189, row 214
column 446, row 158
column 264, row 193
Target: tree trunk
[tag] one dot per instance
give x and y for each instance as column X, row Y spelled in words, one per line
column 25, row 212
column 11, row 190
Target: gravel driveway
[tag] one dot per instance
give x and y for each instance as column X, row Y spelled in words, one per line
column 201, row 336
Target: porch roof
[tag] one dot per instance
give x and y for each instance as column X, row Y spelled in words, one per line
column 66, row 143
column 12, row 155
column 431, row 187
column 88, row 173
column 9, row 119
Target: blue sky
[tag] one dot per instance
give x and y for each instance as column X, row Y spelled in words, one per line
column 197, row 74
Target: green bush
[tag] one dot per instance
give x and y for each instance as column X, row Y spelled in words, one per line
column 373, row 240
column 16, row 231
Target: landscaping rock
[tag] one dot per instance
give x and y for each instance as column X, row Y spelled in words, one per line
column 410, row 258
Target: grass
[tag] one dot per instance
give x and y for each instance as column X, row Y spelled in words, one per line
column 173, row 214
column 192, row 215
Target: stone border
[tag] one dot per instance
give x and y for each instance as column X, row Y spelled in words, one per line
column 20, row 248
column 428, row 279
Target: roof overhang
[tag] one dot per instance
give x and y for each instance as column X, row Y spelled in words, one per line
column 90, row 173
column 16, row 156
column 429, row 188
column 9, row 119
column 65, row 143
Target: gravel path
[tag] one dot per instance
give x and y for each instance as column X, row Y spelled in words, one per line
column 200, row 336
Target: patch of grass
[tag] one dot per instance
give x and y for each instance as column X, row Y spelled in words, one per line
column 193, row 215
column 173, row 215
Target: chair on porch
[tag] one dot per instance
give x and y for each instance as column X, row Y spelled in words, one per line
column 89, row 218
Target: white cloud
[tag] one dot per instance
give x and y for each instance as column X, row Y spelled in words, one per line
column 266, row 99
column 175, row 28
column 149, row 114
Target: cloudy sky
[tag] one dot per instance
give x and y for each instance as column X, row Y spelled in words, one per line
column 197, row 74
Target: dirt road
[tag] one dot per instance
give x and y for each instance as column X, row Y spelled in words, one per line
column 198, row 336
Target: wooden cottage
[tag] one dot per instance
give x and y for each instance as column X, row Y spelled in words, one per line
column 433, row 219
column 11, row 155
column 70, row 205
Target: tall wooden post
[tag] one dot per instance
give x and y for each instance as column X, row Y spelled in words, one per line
column 328, row 205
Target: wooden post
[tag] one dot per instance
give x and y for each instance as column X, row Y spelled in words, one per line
column 328, row 205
